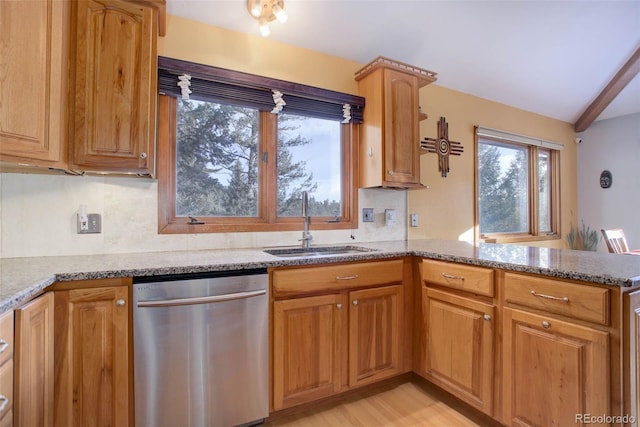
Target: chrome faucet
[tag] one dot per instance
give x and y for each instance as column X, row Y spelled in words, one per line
column 306, row 236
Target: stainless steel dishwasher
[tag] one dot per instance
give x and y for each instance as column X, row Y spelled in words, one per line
column 200, row 346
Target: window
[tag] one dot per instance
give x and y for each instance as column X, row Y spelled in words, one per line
column 517, row 187
column 227, row 163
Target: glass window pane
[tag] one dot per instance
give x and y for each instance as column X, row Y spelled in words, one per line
column 216, row 160
column 544, row 187
column 503, row 188
column 309, row 159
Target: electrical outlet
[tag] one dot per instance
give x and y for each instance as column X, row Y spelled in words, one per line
column 93, row 224
column 367, row 214
column 414, row 219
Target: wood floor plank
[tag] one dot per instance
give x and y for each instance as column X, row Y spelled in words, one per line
column 405, row 402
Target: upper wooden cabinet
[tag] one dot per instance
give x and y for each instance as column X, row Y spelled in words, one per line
column 390, row 139
column 33, row 82
column 114, row 108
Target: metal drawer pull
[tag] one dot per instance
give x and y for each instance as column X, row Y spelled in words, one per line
column 487, row 317
column 546, row 324
column 339, row 306
column 545, row 296
column 451, row 276
column 3, row 345
column 5, row 401
column 355, row 276
column 355, row 302
column 120, row 302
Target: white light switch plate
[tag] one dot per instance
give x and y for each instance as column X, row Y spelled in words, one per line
column 390, row 216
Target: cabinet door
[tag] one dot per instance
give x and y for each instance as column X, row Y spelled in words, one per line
column 458, row 346
column 553, row 370
column 307, row 349
column 401, row 128
column 375, row 334
column 6, row 369
column 34, row 363
column 92, row 357
column 33, row 81
column 116, row 84
column 631, row 357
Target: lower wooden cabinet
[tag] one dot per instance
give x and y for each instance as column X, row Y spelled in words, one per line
column 375, row 334
column 34, row 362
column 631, row 356
column 553, row 370
column 335, row 328
column 307, row 348
column 317, row 339
column 92, row 357
column 6, row 369
column 458, row 352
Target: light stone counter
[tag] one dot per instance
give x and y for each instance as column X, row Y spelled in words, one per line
column 23, row 278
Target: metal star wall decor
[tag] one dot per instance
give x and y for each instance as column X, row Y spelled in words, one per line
column 442, row 146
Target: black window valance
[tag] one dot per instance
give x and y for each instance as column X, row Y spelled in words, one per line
column 215, row 84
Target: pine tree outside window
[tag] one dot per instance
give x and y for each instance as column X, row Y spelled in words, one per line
column 226, row 162
column 517, row 187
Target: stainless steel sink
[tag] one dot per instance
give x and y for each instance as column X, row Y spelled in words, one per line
column 317, row 251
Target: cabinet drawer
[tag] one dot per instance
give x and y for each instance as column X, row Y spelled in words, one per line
column 6, row 387
column 555, row 296
column 473, row 279
column 336, row 277
column 6, row 336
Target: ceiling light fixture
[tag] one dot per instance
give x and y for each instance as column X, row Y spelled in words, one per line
column 265, row 11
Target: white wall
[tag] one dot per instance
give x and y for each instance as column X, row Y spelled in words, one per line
column 612, row 145
column 38, row 218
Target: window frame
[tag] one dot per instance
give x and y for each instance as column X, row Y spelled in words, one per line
column 267, row 219
column 534, row 233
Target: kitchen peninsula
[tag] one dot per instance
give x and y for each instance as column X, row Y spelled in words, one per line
column 23, row 278
column 485, row 311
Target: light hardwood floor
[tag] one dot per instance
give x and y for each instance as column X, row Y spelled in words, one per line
column 407, row 401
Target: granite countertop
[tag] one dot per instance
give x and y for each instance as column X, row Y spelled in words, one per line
column 23, row 278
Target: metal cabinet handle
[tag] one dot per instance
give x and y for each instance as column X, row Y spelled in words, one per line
column 355, row 276
column 551, row 297
column 3, row 345
column 339, row 306
column 390, row 172
column 355, row 302
column 451, row 276
column 546, row 324
column 143, row 156
column 4, row 402
column 487, row 317
column 120, row 302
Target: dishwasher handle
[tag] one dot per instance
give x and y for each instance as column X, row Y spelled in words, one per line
column 201, row 300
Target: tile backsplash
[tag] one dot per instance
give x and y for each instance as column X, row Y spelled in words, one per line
column 38, row 218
